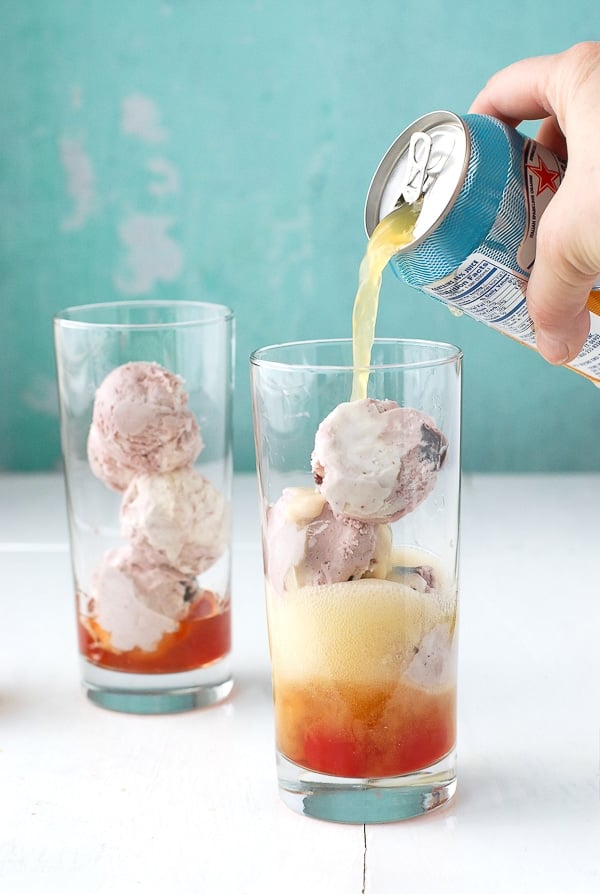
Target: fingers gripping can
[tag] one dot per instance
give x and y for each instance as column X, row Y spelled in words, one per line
column 483, row 188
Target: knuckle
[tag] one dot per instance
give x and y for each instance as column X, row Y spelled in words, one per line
column 583, row 61
column 584, row 55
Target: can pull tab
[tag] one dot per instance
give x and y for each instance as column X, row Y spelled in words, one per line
column 419, row 150
column 424, row 163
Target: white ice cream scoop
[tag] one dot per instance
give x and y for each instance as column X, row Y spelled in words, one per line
column 376, row 461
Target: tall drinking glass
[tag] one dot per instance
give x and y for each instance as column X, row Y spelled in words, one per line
column 360, row 525
column 145, row 393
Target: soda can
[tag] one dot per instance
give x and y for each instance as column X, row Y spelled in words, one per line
column 484, row 187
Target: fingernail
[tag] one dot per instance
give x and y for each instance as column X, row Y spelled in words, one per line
column 552, row 349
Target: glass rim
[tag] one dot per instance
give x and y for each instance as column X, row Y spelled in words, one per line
column 260, row 358
column 222, row 313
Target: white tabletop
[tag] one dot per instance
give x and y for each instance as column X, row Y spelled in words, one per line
column 94, row 801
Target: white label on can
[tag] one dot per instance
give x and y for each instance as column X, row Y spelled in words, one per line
column 495, row 295
column 490, row 293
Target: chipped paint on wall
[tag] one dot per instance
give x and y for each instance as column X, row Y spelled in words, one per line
column 140, row 118
column 81, row 182
column 166, row 179
column 152, row 255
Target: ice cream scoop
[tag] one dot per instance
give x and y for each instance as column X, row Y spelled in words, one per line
column 104, row 465
column 376, row 461
column 307, row 545
column 141, row 423
column 434, row 662
column 179, row 518
column 134, row 601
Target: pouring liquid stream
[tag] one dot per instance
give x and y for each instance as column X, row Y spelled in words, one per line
column 392, row 233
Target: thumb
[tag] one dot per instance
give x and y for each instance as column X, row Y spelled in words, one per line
column 559, row 285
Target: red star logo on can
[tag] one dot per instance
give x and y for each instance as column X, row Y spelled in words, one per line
column 547, row 177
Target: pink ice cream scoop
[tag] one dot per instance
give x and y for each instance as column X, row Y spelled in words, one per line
column 179, row 518
column 141, row 423
column 307, row 545
column 104, row 465
column 375, row 461
column 135, row 601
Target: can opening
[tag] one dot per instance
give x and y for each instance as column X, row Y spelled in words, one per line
column 428, row 160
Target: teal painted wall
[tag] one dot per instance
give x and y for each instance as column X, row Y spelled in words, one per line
column 222, row 151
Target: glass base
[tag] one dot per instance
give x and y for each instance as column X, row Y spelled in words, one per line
column 342, row 800
column 157, row 693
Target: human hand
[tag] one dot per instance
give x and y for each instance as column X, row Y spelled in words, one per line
column 563, row 90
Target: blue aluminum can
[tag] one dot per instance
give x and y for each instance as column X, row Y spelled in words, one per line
column 483, row 187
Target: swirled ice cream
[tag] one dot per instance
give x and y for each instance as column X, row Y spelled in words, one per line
column 179, row 518
column 141, row 424
column 133, row 602
column 144, row 602
column 308, row 545
column 376, row 461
